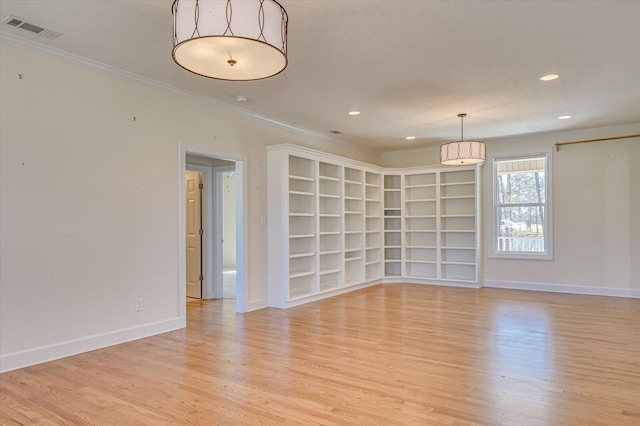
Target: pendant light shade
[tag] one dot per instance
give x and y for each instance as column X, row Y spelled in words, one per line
column 230, row 40
column 462, row 152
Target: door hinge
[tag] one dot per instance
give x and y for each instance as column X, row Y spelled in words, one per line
column 201, row 185
column 201, row 232
column 201, row 278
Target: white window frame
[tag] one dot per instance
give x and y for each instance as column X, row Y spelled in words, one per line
column 547, row 254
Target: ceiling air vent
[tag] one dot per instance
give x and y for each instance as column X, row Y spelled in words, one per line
column 14, row 21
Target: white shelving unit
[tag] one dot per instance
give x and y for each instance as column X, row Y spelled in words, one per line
column 336, row 225
column 330, row 226
column 392, row 225
column 372, row 225
column 431, row 225
column 420, row 225
column 353, row 226
column 458, row 225
column 302, row 227
column 325, row 229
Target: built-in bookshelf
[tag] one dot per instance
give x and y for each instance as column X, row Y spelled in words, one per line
column 420, row 225
column 392, row 225
column 302, row 227
column 373, row 225
column 330, row 216
column 353, row 226
column 458, row 225
column 333, row 228
column 336, row 225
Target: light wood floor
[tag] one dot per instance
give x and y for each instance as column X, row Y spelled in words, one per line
column 387, row 355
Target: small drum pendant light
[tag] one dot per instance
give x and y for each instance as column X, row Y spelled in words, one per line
column 462, row 152
column 230, row 40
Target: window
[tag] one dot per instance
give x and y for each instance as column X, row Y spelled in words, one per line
column 522, row 226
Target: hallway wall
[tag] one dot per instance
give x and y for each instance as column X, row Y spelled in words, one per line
column 229, row 220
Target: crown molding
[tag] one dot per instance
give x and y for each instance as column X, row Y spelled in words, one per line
column 71, row 58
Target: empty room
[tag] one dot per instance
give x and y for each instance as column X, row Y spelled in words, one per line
column 336, row 212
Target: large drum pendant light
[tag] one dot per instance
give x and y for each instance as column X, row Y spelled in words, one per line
column 230, row 40
column 462, row 152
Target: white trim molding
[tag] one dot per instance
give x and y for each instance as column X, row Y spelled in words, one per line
column 254, row 305
column 22, row 359
column 563, row 288
column 321, row 296
column 426, row 281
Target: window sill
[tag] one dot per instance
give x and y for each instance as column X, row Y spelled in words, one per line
column 521, row 256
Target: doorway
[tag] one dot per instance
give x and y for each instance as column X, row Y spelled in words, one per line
column 212, row 267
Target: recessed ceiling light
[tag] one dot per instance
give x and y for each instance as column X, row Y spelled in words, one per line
column 565, row 117
column 354, row 112
column 410, row 138
column 549, row 77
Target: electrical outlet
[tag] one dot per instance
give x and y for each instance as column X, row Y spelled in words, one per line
column 139, row 304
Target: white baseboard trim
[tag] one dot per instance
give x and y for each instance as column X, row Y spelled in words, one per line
column 427, row 281
column 563, row 288
column 254, row 305
column 324, row 295
column 393, row 280
column 22, row 359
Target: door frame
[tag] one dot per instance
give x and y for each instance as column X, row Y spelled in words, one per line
column 241, row 225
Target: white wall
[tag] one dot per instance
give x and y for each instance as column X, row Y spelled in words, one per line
column 90, row 198
column 411, row 158
column 596, row 210
column 596, row 213
column 229, row 219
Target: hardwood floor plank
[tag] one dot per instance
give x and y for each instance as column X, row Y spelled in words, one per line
column 395, row 354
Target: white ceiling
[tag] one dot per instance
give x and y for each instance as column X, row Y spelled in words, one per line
column 409, row 66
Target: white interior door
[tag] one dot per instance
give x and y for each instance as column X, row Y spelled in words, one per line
column 194, row 240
